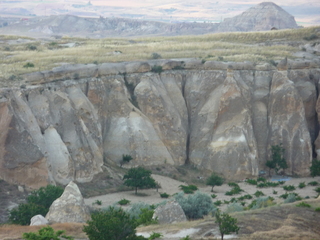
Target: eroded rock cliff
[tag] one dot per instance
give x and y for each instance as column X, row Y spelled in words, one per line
column 221, row 117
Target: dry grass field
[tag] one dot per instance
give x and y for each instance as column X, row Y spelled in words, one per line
column 45, row 54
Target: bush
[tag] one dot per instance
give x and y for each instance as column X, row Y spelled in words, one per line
column 261, row 179
column 315, row 168
column 98, row 202
column 46, row 233
column 124, row 202
column 164, row 195
column 28, row 64
column 112, row 224
column 261, row 202
column 234, row 207
column 251, row 181
column 155, row 235
column 195, row 206
column 302, row 185
column 213, row 195
column 290, row 198
column 217, row 203
column 38, row 202
column 313, row 183
column 155, row 55
column 258, row 194
column 311, row 37
column 233, row 184
column 136, row 209
column 303, row 204
column 157, row 69
column 188, row 189
column 317, row 190
column 317, row 209
column 234, row 191
column 145, row 217
column 289, row 188
column 31, row 47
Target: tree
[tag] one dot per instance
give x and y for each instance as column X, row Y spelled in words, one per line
column 46, row 233
column 214, row 180
column 315, row 168
column 227, row 224
column 138, row 178
column 112, row 224
column 278, row 161
column 125, row 159
column 38, row 202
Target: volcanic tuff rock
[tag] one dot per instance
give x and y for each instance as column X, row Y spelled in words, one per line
column 70, row 207
column 171, row 212
column 263, row 16
column 222, row 117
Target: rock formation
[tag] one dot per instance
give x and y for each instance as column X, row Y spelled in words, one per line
column 262, row 17
column 220, row 117
column 38, row 220
column 171, row 212
column 70, row 207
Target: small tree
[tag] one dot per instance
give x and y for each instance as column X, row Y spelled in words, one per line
column 226, row 223
column 214, row 180
column 315, row 168
column 139, row 178
column 125, row 159
column 46, row 233
column 278, row 161
column 112, row 224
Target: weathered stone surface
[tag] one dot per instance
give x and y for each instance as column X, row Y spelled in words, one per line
column 287, row 125
column 263, row 16
column 38, row 220
column 221, row 117
column 70, row 207
column 171, row 212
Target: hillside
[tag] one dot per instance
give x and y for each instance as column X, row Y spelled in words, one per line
column 261, row 17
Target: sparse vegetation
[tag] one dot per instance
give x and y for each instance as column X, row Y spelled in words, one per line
column 289, row 188
column 156, row 69
column 46, row 233
column 123, row 202
column 313, row 183
column 98, row 202
column 311, row 37
column 303, row 204
column 28, row 65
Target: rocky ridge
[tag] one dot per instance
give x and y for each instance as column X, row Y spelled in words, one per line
column 221, row 117
column 261, row 17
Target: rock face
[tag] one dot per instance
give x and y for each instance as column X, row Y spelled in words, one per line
column 171, row 212
column 38, row 220
column 70, row 207
column 220, row 117
column 262, row 17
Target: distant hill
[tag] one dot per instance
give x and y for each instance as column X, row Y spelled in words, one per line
column 262, row 17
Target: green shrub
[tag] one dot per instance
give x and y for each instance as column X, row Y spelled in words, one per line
column 284, row 196
column 275, row 192
column 317, row 209
column 38, row 202
column 46, row 233
column 303, row 204
column 317, row 190
column 155, row 55
column 164, row 195
column 258, row 194
column 290, row 198
column 261, row 179
column 188, row 189
column 124, row 202
column 251, row 181
column 302, row 185
column 28, row 64
column 186, row 238
column 315, row 168
column 195, row 206
column 233, row 184
column 145, row 217
column 234, row 207
column 313, row 183
column 289, row 188
column 310, row 37
column 178, row 68
column 217, row 203
column 112, row 224
column 98, row 202
column 155, row 235
column 136, row 209
column 213, row 195
column 261, row 202
column 157, row 69
column 32, row 47
column 234, row 191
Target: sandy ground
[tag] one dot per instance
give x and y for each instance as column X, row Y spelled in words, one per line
column 171, row 186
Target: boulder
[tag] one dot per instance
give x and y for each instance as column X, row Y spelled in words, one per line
column 38, row 220
column 70, row 207
column 171, row 212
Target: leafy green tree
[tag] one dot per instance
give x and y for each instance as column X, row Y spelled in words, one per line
column 278, row 161
column 214, row 180
column 38, row 202
column 112, row 224
column 139, row 178
column 46, row 233
column 125, row 159
column 315, row 168
column 226, row 223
